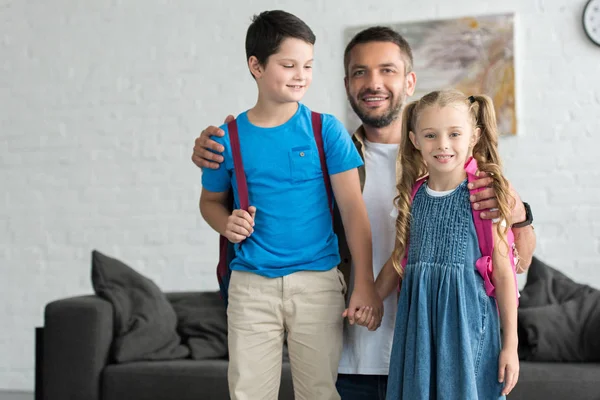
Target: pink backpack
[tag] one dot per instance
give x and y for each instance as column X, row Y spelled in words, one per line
column 483, row 227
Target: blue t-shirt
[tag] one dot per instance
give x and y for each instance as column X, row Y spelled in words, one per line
column 293, row 229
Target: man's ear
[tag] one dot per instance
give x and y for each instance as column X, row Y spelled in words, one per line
column 255, row 68
column 413, row 139
column 411, row 83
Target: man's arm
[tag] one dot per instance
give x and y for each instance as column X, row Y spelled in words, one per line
column 525, row 239
column 346, row 188
column 202, row 155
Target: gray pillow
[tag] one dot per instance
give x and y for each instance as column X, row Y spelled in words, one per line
column 144, row 320
column 558, row 318
column 203, row 324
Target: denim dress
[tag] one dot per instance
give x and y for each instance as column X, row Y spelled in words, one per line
column 447, row 335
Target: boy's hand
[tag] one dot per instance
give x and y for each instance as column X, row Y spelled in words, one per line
column 365, row 297
column 202, row 155
column 240, row 225
column 508, row 369
column 486, row 200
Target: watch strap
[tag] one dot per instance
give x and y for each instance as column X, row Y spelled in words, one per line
column 528, row 217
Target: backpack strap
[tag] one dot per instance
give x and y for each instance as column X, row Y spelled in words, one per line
column 317, row 132
column 415, row 189
column 485, row 237
column 226, row 249
column 240, row 175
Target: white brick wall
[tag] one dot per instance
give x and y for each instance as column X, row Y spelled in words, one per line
column 100, row 103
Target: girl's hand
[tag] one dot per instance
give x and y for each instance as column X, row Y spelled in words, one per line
column 508, row 369
column 240, row 225
column 365, row 316
column 365, row 300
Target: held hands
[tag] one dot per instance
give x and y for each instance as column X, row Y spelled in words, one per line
column 365, row 307
column 508, row 369
column 240, row 225
column 202, row 155
column 486, row 200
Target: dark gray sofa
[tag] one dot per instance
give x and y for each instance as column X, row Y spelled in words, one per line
column 74, row 361
column 74, row 364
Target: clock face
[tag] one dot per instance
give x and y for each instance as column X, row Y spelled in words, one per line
column 591, row 20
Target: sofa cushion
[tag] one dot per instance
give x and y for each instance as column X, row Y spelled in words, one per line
column 552, row 380
column 558, row 319
column 202, row 324
column 180, row 379
column 144, row 320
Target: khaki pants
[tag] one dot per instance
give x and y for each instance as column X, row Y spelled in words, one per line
column 306, row 304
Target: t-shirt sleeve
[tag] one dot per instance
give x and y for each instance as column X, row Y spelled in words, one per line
column 340, row 151
column 219, row 180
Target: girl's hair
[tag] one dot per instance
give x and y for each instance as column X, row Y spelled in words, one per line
column 485, row 151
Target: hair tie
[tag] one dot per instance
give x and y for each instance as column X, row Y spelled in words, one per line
column 472, row 99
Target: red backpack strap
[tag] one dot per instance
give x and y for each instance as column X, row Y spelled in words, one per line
column 317, row 131
column 485, row 237
column 240, row 175
column 415, row 189
column 226, row 252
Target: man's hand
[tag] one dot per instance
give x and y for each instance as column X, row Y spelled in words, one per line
column 202, row 156
column 240, row 225
column 486, row 200
column 365, row 307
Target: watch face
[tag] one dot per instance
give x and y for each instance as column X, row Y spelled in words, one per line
column 591, row 20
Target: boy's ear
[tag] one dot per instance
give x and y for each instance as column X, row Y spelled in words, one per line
column 413, row 139
column 255, row 68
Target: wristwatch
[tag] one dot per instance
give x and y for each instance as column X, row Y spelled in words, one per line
column 528, row 217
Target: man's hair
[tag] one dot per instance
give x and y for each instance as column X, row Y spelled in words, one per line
column 380, row 34
column 269, row 29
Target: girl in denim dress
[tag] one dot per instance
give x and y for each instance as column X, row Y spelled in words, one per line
column 447, row 341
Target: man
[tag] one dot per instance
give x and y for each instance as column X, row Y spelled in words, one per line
column 378, row 79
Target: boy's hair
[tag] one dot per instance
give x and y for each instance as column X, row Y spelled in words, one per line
column 380, row 34
column 269, row 29
column 485, row 151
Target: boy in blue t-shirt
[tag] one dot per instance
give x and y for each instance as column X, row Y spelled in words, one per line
column 284, row 274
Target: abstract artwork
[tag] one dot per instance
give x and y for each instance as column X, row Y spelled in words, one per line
column 472, row 54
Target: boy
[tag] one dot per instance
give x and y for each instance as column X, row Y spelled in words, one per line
column 284, row 274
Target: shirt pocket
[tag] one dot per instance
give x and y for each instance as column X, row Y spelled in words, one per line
column 304, row 163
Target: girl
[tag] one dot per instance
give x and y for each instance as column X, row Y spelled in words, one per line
column 447, row 341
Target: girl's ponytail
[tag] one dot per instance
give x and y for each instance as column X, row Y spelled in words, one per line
column 488, row 159
column 413, row 168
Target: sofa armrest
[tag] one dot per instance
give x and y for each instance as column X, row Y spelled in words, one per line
column 78, row 332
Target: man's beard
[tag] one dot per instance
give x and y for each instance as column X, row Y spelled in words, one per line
column 381, row 121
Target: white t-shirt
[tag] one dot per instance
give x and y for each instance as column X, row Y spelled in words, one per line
column 366, row 352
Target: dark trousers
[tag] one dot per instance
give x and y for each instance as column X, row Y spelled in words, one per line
column 361, row 387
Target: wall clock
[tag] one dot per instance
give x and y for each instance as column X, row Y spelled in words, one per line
column 591, row 20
